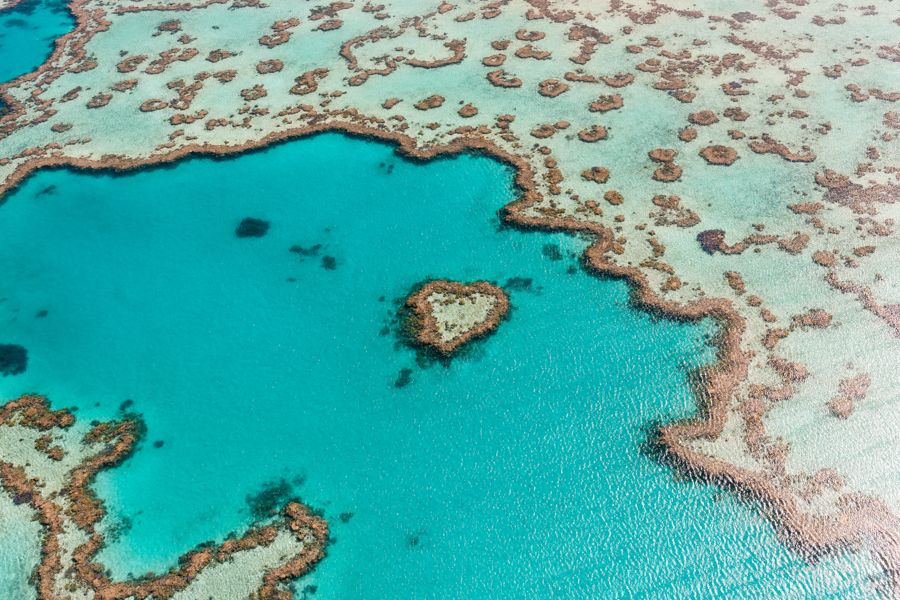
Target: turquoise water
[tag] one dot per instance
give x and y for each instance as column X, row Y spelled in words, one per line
column 27, row 33
column 514, row 471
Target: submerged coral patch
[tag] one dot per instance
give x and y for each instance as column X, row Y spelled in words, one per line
column 13, row 359
column 251, row 227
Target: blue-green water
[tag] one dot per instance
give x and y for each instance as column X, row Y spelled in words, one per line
column 27, row 33
column 513, row 472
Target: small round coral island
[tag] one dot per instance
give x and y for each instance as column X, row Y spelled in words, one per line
column 443, row 316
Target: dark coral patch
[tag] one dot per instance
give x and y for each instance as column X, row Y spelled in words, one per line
column 403, row 379
column 304, row 251
column 270, row 498
column 13, row 359
column 552, row 252
column 252, row 227
column 711, row 240
column 329, row 263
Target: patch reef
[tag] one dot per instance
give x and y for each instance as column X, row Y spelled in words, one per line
column 444, row 316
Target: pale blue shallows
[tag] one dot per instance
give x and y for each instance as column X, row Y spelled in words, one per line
column 515, row 471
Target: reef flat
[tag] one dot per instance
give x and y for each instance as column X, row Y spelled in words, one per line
column 48, row 463
column 445, row 315
column 736, row 161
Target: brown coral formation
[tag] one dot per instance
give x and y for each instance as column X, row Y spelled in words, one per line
column 672, row 212
column 594, row 133
column 817, row 318
column 100, row 100
column 502, row 79
column 308, row 82
column 424, row 324
column 719, row 155
column 131, row 63
column 767, row 145
column 254, row 93
column 281, row 33
column 457, row 50
column 688, row 134
column 613, row 197
column 667, row 172
column 529, row 51
column 551, row 88
column 596, row 174
column 711, row 240
column 219, row 54
column 269, row 66
column 662, row 155
column 607, row 103
column 703, row 117
column 433, row 101
column 153, row 104
column 467, row 111
column 850, row 391
column 619, row 80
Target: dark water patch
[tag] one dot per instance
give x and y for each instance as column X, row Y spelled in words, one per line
column 45, row 191
column 158, row 444
column 22, row 498
column 329, row 263
column 414, row 538
column 120, row 527
column 41, row 313
column 272, row 497
column 267, row 501
column 252, row 227
column 345, row 517
column 306, row 251
column 126, row 405
column 403, row 379
column 13, row 359
column 552, row 251
column 519, row 284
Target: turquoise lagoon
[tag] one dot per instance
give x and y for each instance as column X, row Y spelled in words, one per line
column 27, row 34
column 513, row 471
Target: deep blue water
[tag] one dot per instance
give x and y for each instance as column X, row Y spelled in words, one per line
column 514, row 471
column 27, row 33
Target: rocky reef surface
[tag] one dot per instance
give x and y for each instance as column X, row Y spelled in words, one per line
column 732, row 162
column 443, row 316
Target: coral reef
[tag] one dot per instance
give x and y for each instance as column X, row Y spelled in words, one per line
column 443, row 316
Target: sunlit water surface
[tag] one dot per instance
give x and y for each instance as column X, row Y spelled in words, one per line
column 514, row 471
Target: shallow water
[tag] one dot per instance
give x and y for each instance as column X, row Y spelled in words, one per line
column 514, row 471
column 27, row 34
